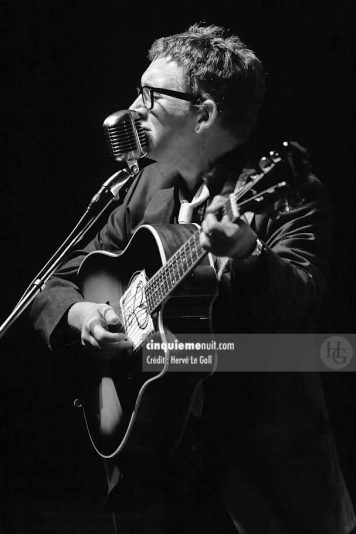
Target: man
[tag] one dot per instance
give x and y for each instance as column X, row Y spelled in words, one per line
column 266, row 461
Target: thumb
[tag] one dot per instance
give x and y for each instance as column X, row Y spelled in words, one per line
column 109, row 315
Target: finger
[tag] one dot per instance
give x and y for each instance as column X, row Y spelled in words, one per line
column 204, row 228
column 103, row 336
column 229, row 228
column 109, row 315
column 210, row 223
column 237, row 222
column 89, row 341
column 205, row 233
column 204, row 241
column 226, row 219
column 217, row 203
column 97, row 327
column 120, row 342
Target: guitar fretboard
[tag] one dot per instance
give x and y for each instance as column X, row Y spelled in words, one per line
column 173, row 272
column 189, row 255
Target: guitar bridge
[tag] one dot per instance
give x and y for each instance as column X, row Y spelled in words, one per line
column 134, row 307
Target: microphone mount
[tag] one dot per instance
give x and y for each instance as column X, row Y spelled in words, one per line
column 113, row 185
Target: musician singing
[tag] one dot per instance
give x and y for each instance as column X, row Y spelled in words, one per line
column 263, row 458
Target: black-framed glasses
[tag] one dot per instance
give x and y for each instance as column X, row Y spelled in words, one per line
column 147, row 93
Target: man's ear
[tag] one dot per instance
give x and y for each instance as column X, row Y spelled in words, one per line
column 206, row 116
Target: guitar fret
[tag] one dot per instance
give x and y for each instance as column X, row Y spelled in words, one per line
column 172, row 273
column 190, row 253
column 166, row 278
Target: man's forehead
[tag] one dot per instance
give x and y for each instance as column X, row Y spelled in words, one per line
column 165, row 73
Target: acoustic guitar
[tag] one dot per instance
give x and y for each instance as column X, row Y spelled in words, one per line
column 163, row 286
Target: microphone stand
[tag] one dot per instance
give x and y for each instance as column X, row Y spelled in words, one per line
column 107, row 195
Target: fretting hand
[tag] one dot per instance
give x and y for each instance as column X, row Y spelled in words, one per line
column 234, row 240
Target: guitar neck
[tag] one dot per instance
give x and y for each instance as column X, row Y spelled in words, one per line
column 191, row 253
column 174, row 271
column 182, row 262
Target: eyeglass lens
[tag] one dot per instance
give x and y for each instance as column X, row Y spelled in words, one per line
column 147, row 96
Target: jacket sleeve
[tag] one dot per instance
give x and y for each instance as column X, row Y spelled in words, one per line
column 50, row 307
column 49, row 310
column 281, row 290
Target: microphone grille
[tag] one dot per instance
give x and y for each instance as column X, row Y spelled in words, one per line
column 125, row 135
column 141, row 134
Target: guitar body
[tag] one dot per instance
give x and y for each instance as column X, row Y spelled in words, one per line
column 128, row 409
column 163, row 285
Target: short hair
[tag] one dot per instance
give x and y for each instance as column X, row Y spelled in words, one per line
column 218, row 66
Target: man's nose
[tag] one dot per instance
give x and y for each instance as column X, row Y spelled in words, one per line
column 137, row 105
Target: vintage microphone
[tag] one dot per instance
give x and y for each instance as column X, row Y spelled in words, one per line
column 126, row 137
column 127, row 143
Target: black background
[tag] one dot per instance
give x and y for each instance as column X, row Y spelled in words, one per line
column 69, row 64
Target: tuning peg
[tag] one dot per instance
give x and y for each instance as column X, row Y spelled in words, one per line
column 78, row 403
column 284, row 206
column 265, row 164
column 274, row 156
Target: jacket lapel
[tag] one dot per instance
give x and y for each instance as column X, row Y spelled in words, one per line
column 161, row 207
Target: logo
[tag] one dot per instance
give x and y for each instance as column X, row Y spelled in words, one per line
column 336, row 352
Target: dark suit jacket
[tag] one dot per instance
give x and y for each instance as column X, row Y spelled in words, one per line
column 266, row 439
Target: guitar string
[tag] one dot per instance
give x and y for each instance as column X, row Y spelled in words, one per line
column 189, row 255
column 193, row 251
column 135, row 330
column 186, row 257
column 165, row 276
column 162, row 275
column 170, row 277
column 153, row 291
column 183, row 257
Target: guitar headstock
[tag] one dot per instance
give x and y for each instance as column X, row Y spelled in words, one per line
column 279, row 180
